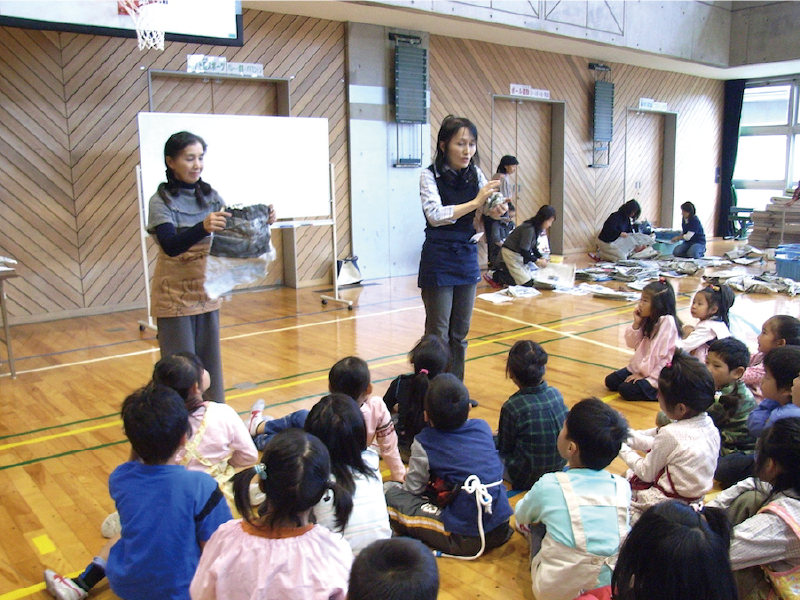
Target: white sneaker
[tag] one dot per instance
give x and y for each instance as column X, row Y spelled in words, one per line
column 63, row 588
column 111, row 526
column 256, row 416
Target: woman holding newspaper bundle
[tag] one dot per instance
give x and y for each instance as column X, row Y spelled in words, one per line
column 611, row 243
column 184, row 212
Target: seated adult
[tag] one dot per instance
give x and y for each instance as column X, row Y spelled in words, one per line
column 693, row 236
column 618, row 226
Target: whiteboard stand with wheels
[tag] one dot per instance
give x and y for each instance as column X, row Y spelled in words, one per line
column 148, row 324
column 334, row 270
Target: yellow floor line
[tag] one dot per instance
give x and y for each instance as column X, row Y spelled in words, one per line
column 55, row 436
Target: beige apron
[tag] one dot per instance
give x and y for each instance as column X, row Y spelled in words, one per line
column 221, row 471
column 559, row 572
column 177, row 288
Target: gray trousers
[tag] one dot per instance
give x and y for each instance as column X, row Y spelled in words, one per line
column 448, row 311
column 198, row 334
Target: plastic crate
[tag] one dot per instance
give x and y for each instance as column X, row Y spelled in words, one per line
column 787, row 261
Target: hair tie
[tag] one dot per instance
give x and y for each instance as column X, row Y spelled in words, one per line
column 662, row 280
column 715, row 288
column 261, row 471
column 424, row 371
column 669, row 364
column 698, row 506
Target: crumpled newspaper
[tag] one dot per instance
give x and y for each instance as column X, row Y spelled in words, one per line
column 509, row 294
column 756, row 284
column 223, row 273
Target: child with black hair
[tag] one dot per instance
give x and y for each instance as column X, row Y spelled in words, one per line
column 654, row 334
column 167, row 512
column 674, row 552
column 766, row 513
column 778, row 330
column 276, row 552
column 726, row 361
column 337, row 421
column 583, row 510
column 400, row 568
column 457, row 457
column 710, row 306
column 781, row 367
column 406, row 394
column 351, row 376
column 679, row 458
column 530, row 419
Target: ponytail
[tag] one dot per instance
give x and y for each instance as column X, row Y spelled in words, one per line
column 342, row 504
column 241, row 493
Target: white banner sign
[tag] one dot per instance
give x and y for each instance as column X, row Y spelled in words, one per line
column 527, row 91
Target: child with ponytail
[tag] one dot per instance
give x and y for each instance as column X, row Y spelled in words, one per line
column 276, row 552
column 405, row 396
column 710, row 306
column 530, row 420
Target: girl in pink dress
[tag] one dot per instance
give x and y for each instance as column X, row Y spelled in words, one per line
column 275, row 552
column 654, row 333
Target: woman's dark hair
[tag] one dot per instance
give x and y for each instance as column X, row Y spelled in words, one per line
column 337, row 421
column 173, row 148
column 783, row 363
column 450, row 127
column 296, row 474
column 689, row 208
column 632, row 209
column 447, row 402
column 686, row 381
column 155, row 420
column 536, row 221
column 430, row 357
column 722, row 297
column 734, row 354
column 526, row 362
column 598, row 430
column 181, row 371
column 662, row 304
column 786, row 328
column 506, row 161
column 781, row 443
column 675, row 552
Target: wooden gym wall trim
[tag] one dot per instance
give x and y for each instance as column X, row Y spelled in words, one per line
column 69, row 144
column 465, row 73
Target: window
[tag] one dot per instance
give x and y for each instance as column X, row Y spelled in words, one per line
column 768, row 156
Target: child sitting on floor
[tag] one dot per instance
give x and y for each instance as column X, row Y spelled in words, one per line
column 167, row 511
column 780, row 330
column 530, row 419
column 726, row 360
column 710, row 307
column 765, row 551
column 404, row 398
column 680, row 458
column 584, row 511
column 781, row 367
column 400, row 568
column 455, row 457
column 654, row 333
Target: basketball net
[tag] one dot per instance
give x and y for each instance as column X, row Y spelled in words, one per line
column 149, row 17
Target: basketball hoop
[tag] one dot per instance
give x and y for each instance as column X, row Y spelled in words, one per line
column 149, row 17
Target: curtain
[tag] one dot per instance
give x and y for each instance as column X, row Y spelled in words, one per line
column 734, row 95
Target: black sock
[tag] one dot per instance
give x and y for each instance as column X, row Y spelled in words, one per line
column 93, row 574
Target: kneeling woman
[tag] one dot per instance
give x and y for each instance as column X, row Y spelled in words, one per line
column 521, row 247
column 693, row 244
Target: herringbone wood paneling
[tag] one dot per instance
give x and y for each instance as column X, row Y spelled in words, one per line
column 69, row 146
column 465, row 73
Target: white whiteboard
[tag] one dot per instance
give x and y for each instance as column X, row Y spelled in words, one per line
column 249, row 160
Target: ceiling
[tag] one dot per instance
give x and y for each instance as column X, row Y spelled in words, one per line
column 418, row 20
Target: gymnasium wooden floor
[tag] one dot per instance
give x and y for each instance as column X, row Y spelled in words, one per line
column 60, row 433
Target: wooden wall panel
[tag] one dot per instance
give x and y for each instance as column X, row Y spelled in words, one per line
column 69, row 145
column 465, row 73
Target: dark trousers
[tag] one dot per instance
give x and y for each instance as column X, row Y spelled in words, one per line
column 733, row 468
column 638, row 390
column 415, row 517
